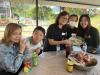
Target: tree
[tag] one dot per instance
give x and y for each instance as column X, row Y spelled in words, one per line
column 76, row 11
column 23, row 10
column 45, row 13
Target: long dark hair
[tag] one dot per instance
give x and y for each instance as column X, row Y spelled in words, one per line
column 40, row 29
column 86, row 30
column 63, row 13
column 88, row 19
column 73, row 15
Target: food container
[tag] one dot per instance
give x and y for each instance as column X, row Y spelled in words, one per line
column 83, row 68
column 79, row 66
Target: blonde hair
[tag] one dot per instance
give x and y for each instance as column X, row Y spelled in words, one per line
column 10, row 28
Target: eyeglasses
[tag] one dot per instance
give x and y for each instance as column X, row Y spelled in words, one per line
column 65, row 17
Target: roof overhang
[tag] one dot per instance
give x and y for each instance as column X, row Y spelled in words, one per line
column 63, row 3
column 72, row 3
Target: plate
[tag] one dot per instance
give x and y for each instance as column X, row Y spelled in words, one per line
column 79, row 65
column 77, row 40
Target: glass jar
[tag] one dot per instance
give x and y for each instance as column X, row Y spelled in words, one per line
column 70, row 65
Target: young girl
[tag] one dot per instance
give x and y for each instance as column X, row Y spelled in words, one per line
column 12, row 48
column 34, row 43
column 58, row 33
column 89, row 33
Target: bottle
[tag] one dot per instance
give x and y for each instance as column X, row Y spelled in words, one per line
column 68, row 50
column 35, row 60
column 27, row 67
column 58, row 49
column 84, row 47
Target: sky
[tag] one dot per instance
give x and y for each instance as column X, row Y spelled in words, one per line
column 56, row 9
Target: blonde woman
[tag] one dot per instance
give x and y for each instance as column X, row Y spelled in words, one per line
column 12, row 49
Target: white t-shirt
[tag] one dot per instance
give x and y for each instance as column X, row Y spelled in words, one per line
column 31, row 47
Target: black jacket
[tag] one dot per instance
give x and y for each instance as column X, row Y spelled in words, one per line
column 91, row 36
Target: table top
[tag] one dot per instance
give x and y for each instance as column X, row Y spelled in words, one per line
column 54, row 63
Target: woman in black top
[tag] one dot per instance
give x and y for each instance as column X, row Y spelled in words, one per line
column 57, row 33
column 73, row 19
column 89, row 33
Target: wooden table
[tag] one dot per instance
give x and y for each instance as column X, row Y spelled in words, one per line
column 53, row 63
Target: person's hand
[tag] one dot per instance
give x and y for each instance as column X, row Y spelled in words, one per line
column 22, row 46
column 67, row 42
column 37, row 50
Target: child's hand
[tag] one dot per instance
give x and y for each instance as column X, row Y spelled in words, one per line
column 37, row 51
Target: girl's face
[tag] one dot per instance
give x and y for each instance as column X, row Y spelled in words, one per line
column 63, row 20
column 84, row 22
column 16, row 36
column 73, row 18
column 37, row 36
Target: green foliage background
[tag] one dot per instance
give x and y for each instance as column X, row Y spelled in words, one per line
column 46, row 13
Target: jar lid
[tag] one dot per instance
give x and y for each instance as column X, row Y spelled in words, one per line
column 70, row 62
